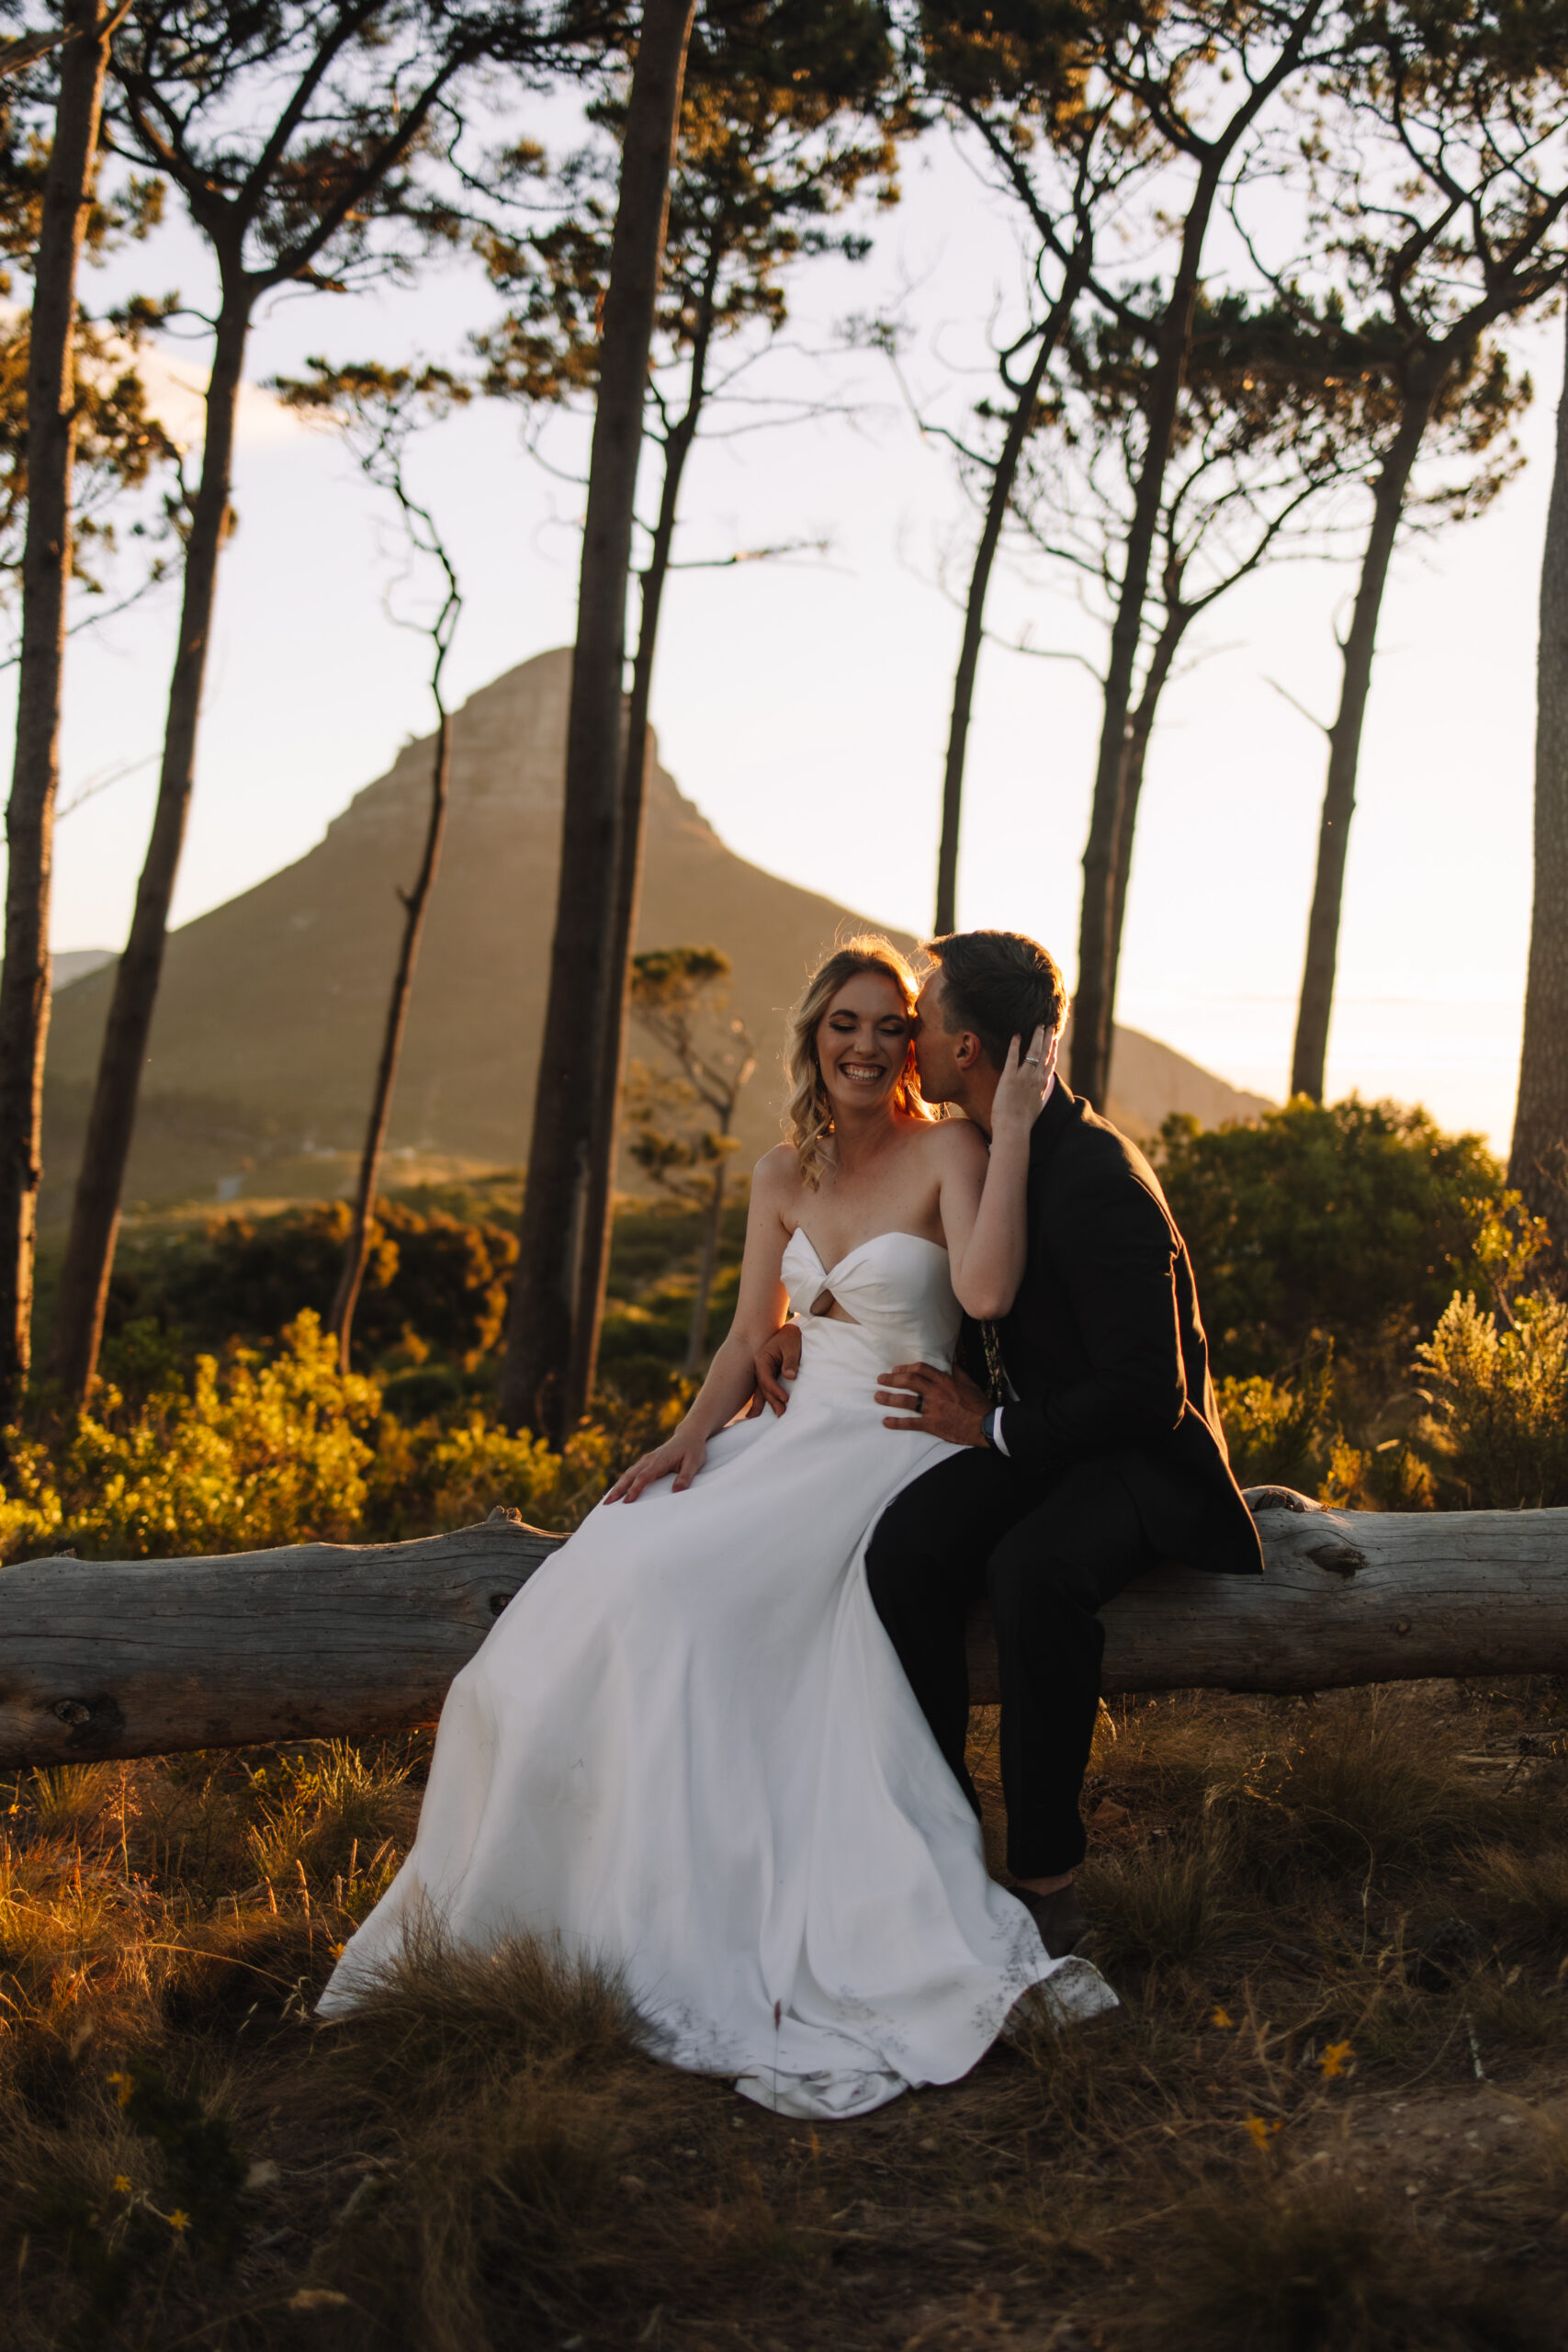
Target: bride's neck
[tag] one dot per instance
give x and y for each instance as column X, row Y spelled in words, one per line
column 860, row 1136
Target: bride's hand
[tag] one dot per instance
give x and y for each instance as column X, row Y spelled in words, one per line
column 683, row 1454
column 1025, row 1085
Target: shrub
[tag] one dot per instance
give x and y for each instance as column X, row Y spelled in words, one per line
column 258, row 1452
column 442, row 1277
column 437, row 1475
column 1354, row 1219
column 1286, row 1434
column 1500, row 1402
column 253, row 1453
column 1280, row 1435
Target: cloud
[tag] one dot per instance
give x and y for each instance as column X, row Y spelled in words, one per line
column 176, row 393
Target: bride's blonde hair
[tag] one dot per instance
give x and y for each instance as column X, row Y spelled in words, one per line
column 809, row 1114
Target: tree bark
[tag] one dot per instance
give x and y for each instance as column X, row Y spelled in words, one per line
column 536, row 1386
column 415, row 902
column 1538, row 1161
column 46, row 582
column 1141, row 726
column 94, row 1220
column 1002, row 479
column 1094, row 1008
column 588, row 1312
column 1310, row 1056
column 707, row 1266
column 106, row 1658
column 1094, row 1004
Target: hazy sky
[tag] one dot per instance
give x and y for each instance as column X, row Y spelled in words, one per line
column 804, row 705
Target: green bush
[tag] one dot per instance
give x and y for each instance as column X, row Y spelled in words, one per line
column 252, row 1454
column 440, row 1278
column 252, row 1451
column 1499, row 1395
column 433, row 1476
column 1280, row 1435
column 1355, row 1221
column 1284, row 1433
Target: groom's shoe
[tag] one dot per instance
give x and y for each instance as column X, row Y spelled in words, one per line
column 1061, row 1918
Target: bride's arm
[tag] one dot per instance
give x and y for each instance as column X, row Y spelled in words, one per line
column 758, row 1310
column 983, row 1203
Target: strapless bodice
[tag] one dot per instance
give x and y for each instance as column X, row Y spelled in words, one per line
column 898, row 1288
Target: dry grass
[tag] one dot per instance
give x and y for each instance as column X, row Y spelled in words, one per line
column 1280, row 2143
column 1302, row 2259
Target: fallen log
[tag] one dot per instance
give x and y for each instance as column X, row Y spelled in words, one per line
column 144, row 1657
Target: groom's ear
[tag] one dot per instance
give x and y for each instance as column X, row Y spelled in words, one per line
column 967, row 1049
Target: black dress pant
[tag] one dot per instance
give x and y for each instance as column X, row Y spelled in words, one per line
column 1048, row 1558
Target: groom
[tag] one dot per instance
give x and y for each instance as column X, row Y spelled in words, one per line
column 1097, row 1453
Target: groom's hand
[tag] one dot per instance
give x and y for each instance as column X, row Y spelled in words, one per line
column 946, row 1404
column 776, row 1361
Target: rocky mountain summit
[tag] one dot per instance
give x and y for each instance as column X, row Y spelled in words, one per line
column 270, row 1016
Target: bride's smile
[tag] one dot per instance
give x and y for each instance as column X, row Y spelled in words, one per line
column 862, row 1043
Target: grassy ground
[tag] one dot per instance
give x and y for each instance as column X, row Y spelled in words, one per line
column 1327, row 2116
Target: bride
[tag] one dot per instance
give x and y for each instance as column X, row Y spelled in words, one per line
column 688, row 1749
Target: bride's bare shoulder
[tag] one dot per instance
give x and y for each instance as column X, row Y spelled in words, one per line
column 776, row 1177
column 951, row 1145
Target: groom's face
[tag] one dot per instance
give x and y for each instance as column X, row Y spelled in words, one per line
column 936, row 1059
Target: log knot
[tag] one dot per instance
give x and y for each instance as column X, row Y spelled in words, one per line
column 1339, row 1559
column 1262, row 1499
column 93, row 1723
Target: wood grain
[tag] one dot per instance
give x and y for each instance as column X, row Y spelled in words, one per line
column 141, row 1658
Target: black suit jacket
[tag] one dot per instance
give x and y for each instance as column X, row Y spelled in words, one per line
column 1105, row 1345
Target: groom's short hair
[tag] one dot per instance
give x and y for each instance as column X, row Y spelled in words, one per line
column 999, row 984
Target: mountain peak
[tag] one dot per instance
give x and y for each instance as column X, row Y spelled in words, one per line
column 270, row 1015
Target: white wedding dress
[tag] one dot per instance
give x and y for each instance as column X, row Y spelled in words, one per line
column 688, row 1748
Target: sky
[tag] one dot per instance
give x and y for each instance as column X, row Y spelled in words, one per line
column 802, row 703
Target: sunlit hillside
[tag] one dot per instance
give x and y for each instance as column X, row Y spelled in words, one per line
column 269, row 1018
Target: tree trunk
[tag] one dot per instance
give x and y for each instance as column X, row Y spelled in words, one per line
column 1310, row 1056
column 536, row 1381
column 1538, row 1163
column 1002, row 479
column 46, row 582
column 1092, row 1006
column 1141, row 728
column 94, row 1220
column 415, row 902
column 105, row 1659
column 707, row 1266
column 588, row 1312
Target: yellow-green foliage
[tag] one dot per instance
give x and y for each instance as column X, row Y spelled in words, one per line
column 255, row 1453
column 259, row 1451
column 1500, row 1402
column 434, row 1476
column 1287, row 1433
column 1278, row 1433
